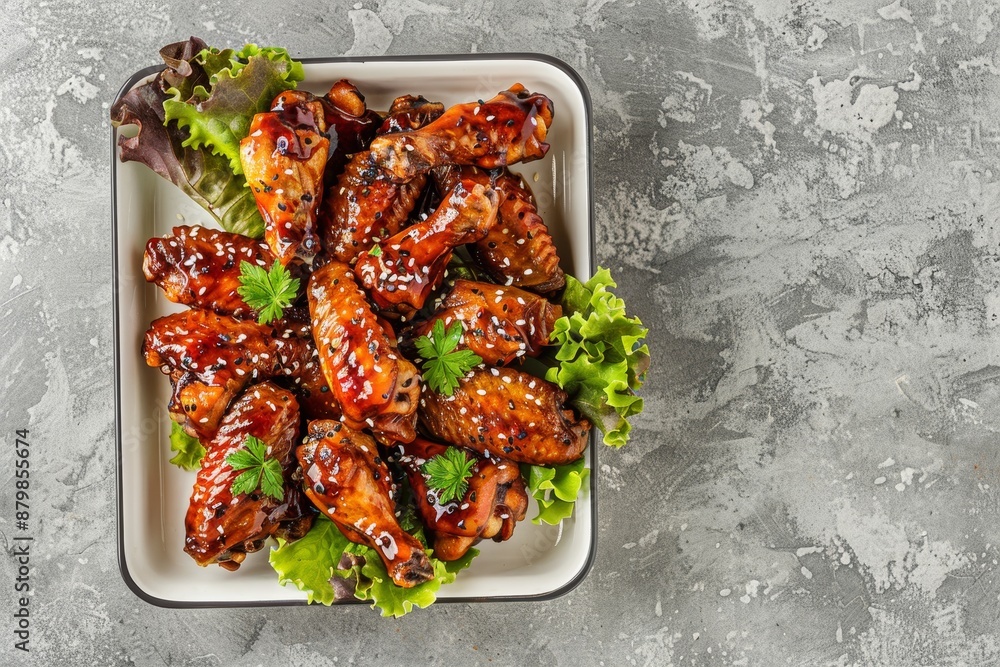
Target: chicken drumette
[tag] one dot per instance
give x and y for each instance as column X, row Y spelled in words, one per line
column 351, row 125
column 284, row 157
column 509, row 128
column 518, row 250
column 347, row 480
column 409, row 265
column 373, row 384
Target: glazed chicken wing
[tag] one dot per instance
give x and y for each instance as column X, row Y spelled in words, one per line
column 518, row 250
column 411, row 264
column 504, row 412
column 223, row 528
column 212, row 358
column 492, row 505
column 316, row 398
column 348, row 482
column 372, row 382
column 501, row 323
column 410, row 112
column 200, row 267
column 509, row 128
column 352, row 125
column 361, row 207
column 284, row 157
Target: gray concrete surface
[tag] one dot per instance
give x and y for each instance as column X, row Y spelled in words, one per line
column 799, row 198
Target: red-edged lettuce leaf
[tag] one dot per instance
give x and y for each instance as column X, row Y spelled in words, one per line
column 205, row 177
column 240, row 84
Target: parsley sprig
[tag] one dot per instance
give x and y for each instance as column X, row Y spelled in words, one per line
column 449, row 474
column 268, row 292
column 258, row 470
column 443, row 366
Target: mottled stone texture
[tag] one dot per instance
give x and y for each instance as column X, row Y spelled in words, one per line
column 799, row 198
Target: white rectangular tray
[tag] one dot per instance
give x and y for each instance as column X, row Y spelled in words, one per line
column 539, row 562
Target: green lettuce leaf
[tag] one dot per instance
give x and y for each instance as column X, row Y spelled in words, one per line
column 375, row 585
column 555, row 488
column 189, row 449
column 315, row 563
column 202, row 175
column 601, row 358
column 311, row 562
column 240, row 84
